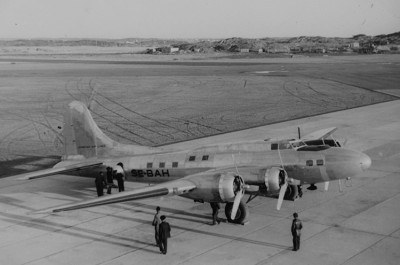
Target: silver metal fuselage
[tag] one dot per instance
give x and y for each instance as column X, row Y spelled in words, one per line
column 248, row 159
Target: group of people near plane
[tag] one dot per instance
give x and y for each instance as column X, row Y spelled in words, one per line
column 107, row 182
column 161, row 227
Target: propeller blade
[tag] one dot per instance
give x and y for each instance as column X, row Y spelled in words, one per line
column 281, row 195
column 326, row 185
column 340, row 186
column 236, row 203
column 234, row 162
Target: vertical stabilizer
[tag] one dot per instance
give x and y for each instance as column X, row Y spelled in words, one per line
column 82, row 136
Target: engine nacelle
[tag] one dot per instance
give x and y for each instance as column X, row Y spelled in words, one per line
column 275, row 177
column 220, row 187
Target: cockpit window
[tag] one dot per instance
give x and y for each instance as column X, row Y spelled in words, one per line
column 329, row 142
column 313, row 148
column 281, row 146
column 297, row 144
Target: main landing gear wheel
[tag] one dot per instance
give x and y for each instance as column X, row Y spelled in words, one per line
column 312, row 187
column 292, row 193
column 241, row 214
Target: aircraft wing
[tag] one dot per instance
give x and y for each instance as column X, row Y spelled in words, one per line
column 175, row 187
column 321, row 134
column 58, row 170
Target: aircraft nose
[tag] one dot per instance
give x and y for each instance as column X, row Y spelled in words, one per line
column 365, row 161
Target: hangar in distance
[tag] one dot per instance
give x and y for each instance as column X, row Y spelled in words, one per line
column 216, row 173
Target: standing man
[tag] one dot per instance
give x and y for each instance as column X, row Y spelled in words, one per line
column 156, row 223
column 120, row 175
column 110, row 181
column 99, row 181
column 164, row 234
column 296, row 231
column 215, row 209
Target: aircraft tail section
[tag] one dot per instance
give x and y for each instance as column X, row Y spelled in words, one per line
column 82, row 137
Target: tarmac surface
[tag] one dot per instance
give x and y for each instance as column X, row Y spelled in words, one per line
column 357, row 226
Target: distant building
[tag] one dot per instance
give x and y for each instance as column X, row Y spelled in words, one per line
column 382, row 49
column 256, row 50
column 296, row 49
column 150, row 50
column 278, row 49
column 245, row 50
column 395, row 47
column 167, row 49
column 355, row 45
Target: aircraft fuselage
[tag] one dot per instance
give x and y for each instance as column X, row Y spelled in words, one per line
column 311, row 165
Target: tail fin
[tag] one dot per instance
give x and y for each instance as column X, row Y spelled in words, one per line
column 82, row 137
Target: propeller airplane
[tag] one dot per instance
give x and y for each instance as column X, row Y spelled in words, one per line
column 220, row 173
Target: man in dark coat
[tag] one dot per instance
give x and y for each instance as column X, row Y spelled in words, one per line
column 215, row 209
column 164, row 233
column 99, row 181
column 296, row 231
column 110, row 181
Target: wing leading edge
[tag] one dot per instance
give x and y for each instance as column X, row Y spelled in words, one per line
column 176, row 187
column 321, row 134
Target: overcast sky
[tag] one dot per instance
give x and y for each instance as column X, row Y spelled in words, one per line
column 196, row 18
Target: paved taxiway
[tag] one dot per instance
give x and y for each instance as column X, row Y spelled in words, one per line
column 359, row 226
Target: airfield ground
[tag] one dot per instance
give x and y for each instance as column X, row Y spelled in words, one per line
column 172, row 101
column 157, row 103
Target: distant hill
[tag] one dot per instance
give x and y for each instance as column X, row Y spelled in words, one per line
column 358, row 42
column 304, row 43
column 128, row 42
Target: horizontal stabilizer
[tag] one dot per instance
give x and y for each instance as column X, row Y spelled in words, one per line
column 58, row 170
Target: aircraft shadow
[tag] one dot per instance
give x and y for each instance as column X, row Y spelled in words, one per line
column 14, row 202
column 164, row 209
column 237, row 238
column 45, row 225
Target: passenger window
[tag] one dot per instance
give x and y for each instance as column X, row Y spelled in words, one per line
column 320, row 162
column 205, row 158
column 192, row 158
column 174, row 164
column 309, row 163
column 149, row 165
column 274, row 146
column 162, row 164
